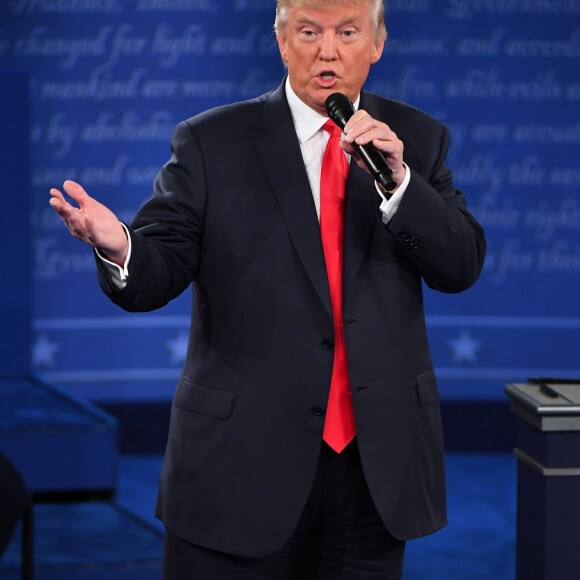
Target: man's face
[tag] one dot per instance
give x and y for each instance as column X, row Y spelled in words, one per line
column 328, row 49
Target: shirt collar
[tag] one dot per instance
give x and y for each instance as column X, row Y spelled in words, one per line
column 307, row 121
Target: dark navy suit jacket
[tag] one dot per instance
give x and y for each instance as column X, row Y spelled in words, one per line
column 232, row 215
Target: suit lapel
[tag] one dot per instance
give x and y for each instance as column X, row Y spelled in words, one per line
column 360, row 218
column 282, row 159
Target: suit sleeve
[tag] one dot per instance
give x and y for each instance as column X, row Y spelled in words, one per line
column 434, row 226
column 166, row 234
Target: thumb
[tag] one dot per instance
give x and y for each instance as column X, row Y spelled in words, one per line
column 76, row 191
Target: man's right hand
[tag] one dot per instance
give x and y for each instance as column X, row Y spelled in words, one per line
column 91, row 222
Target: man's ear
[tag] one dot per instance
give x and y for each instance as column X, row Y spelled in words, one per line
column 377, row 51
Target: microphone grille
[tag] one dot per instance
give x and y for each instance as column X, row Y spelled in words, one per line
column 339, row 108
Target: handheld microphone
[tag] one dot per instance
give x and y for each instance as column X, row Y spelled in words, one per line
column 340, row 110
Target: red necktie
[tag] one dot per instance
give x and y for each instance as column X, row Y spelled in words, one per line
column 339, row 426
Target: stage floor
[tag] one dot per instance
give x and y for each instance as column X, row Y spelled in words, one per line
column 121, row 540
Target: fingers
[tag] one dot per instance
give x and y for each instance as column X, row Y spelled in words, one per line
column 59, row 203
column 76, row 192
column 91, row 221
column 72, row 189
column 73, row 217
column 362, row 128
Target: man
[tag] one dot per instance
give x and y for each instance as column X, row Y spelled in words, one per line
column 255, row 483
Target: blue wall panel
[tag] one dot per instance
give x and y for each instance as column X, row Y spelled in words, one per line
column 110, row 79
column 15, row 239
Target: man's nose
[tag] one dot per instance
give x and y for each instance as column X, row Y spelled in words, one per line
column 328, row 46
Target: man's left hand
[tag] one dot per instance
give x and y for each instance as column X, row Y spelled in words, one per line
column 362, row 129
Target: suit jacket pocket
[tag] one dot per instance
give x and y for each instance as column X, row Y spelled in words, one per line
column 427, row 389
column 204, row 399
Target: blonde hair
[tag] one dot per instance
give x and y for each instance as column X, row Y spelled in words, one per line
column 377, row 13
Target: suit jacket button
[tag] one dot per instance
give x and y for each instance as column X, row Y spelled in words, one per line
column 328, row 343
column 319, row 411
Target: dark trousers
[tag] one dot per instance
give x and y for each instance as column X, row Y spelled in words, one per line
column 339, row 536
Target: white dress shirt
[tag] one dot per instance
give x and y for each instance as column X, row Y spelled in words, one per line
column 312, row 138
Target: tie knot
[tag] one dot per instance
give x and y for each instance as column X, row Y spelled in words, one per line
column 332, row 128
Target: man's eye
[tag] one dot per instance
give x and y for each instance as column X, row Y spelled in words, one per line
column 348, row 33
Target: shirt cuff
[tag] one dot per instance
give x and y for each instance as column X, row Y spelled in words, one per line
column 389, row 206
column 118, row 275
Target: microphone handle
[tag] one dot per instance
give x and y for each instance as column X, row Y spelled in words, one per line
column 377, row 165
column 370, row 155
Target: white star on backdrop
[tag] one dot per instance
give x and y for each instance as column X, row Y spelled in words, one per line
column 177, row 348
column 43, row 352
column 464, row 348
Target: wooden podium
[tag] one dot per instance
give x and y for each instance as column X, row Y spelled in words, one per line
column 548, row 504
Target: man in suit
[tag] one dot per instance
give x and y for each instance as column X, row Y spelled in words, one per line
column 254, row 483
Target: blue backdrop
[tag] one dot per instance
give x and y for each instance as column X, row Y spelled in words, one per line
column 111, row 78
